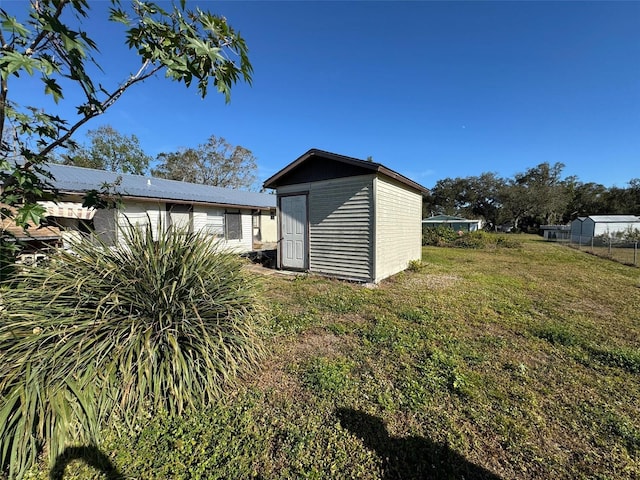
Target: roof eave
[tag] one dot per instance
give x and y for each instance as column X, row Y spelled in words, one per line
column 172, row 200
column 271, row 182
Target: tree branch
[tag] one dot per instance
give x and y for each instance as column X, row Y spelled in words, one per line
column 43, row 33
column 104, row 105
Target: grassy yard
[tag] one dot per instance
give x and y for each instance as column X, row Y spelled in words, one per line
column 512, row 363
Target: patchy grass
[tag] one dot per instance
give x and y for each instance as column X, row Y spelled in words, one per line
column 513, row 363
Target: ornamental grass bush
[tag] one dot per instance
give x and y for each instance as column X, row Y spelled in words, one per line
column 112, row 335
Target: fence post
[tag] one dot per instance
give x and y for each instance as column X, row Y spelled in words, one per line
column 635, row 254
column 610, row 242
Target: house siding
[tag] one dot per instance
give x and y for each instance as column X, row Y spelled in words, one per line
column 211, row 219
column 398, row 215
column 340, row 217
column 141, row 213
column 340, row 228
column 268, row 227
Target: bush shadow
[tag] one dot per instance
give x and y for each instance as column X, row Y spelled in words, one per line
column 88, row 454
column 410, row 457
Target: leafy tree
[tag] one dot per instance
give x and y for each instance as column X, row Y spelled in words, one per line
column 109, row 150
column 633, row 197
column 192, row 47
column 583, row 199
column 215, row 162
column 537, row 196
column 516, row 203
column 485, row 197
column 449, row 196
column 470, row 197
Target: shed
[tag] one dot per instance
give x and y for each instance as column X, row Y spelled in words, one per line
column 450, row 221
column 346, row 218
column 585, row 228
column 556, row 232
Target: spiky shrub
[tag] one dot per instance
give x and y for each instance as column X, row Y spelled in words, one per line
column 114, row 334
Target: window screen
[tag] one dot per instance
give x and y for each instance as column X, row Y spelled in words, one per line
column 215, row 223
column 233, row 226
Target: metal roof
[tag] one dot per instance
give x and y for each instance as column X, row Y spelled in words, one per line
column 614, row 218
column 69, row 179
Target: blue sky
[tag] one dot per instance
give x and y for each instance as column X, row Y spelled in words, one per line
column 429, row 89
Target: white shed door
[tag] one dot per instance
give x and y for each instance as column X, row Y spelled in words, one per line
column 293, row 215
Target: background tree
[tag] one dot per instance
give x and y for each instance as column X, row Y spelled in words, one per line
column 448, row 197
column 516, row 204
column 583, row 199
column 531, row 198
column 109, row 150
column 537, row 196
column 484, row 197
column 215, row 162
column 192, row 47
column 477, row 197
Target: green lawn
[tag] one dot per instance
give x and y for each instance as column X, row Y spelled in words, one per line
column 510, row 363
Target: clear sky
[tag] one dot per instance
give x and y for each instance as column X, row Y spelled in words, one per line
column 429, row 89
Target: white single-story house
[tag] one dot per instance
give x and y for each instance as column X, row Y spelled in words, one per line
column 456, row 223
column 585, row 228
column 346, row 218
column 241, row 221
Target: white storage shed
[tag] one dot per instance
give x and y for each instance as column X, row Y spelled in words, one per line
column 346, row 218
column 585, row 228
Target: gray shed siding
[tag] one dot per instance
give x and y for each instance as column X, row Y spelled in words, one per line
column 576, row 229
column 340, row 226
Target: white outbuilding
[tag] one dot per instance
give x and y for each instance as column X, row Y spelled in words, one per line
column 346, row 218
column 585, row 228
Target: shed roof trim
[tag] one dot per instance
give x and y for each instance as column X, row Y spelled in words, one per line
column 612, row 218
column 373, row 167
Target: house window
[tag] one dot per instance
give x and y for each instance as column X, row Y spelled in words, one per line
column 180, row 216
column 272, row 213
column 215, row 223
column 233, row 226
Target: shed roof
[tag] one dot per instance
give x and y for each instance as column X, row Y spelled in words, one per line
column 614, row 218
column 70, row 179
column 446, row 218
column 333, row 165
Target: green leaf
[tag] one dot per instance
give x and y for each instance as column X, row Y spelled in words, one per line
column 13, row 62
column 30, row 213
column 52, row 88
column 11, row 23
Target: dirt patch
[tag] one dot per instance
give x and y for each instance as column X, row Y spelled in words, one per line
column 431, row 281
column 318, row 343
column 278, row 373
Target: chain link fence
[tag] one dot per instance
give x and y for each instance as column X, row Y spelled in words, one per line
column 623, row 251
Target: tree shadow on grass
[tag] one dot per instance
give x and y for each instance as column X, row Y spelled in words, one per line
column 410, row 457
column 88, row 454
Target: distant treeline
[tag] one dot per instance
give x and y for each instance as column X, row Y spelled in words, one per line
column 539, row 196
